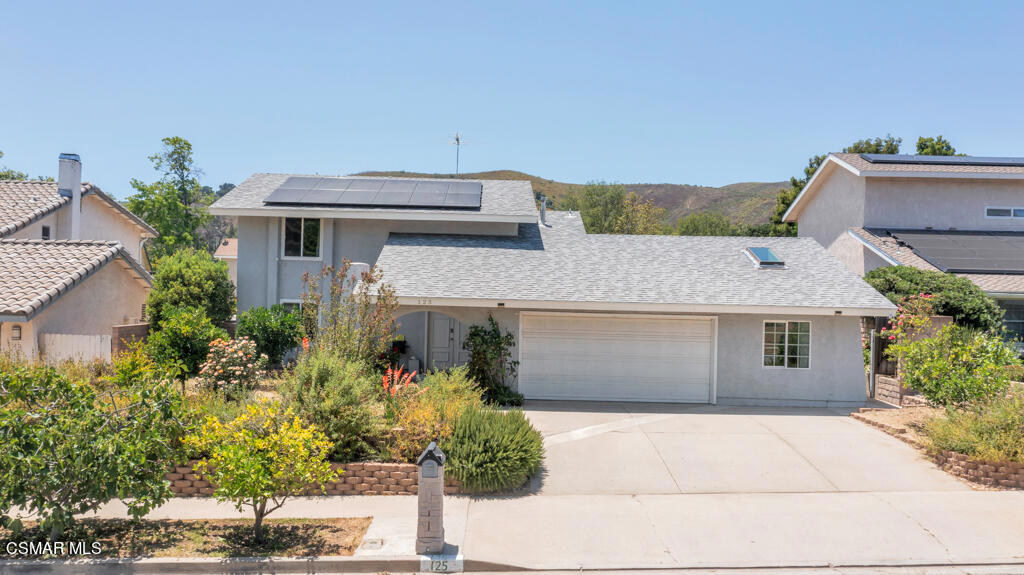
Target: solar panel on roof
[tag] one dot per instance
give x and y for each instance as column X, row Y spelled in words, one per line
column 967, row 252
column 942, row 160
column 368, row 192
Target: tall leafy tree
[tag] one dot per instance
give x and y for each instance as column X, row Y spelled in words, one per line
column 599, row 204
column 886, row 145
column 175, row 205
column 639, row 217
column 937, row 146
column 705, row 224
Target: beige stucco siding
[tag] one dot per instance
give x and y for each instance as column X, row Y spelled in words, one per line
column 102, row 222
column 34, row 231
column 26, row 347
column 837, row 206
column 941, row 203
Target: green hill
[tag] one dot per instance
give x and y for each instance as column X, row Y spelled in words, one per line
column 746, row 203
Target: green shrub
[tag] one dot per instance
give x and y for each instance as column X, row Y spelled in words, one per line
column 992, row 430
column 261, row 458
column 232, row 365
column 953, row 295
column 492, row 450
column 184, row 339
column 341, row 398
column 490, row 355
column 191, row 278
column 68, row 449
column 275, row 330
column 955, row 366
column 504, row 396
column 430, row 411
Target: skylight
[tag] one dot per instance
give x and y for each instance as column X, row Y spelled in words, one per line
column 765, row 258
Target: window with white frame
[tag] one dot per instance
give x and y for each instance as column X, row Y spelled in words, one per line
column 995, row 212
column 787, row 344
column 301, row 238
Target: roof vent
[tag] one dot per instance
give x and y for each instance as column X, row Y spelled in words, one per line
column 765, row 258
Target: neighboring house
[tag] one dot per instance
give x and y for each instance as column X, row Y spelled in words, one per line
column 60, row 295
column 597, row 317
column 228, row 252
column 60, row 298
column 956, row 214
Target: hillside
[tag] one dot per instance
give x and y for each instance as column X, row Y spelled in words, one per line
column 743, row 202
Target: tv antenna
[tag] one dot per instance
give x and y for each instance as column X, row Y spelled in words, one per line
column 458, row 143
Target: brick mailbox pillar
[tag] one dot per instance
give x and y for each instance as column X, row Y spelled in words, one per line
column 430, row 524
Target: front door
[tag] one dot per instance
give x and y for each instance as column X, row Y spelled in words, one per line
column 446, row 338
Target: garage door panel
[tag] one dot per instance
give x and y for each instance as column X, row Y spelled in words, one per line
column 604, row 357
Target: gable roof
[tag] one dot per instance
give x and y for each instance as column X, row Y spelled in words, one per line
column 501, row 201
column 25, row 202
column 35, row 273
column 895, row 252
column 557, row 268
column 857, row 165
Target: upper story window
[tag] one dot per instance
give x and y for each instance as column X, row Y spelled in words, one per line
column 45, row 233
column 995, row 212
column 787, row 344
column 301, row 238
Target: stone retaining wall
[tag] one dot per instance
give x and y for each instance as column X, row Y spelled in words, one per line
column 887, row 389
column 1005, row 474
column 357, row 479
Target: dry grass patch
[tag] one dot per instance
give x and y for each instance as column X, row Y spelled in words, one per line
column 909, row 419
column 209, row 538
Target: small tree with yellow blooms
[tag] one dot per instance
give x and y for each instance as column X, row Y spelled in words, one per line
column 262, row 457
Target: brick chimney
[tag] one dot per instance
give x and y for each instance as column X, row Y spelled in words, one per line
column 69, row 184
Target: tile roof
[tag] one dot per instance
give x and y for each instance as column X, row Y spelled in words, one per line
column 500, row 198
column 34, row 273
column 863, row 165
column 557, row 264
column 228, row 248
column 24, row 202
column 904, row 255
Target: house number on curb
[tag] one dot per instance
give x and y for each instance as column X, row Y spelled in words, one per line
column 441, row 563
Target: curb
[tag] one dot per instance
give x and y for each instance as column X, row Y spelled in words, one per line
column 236, row 565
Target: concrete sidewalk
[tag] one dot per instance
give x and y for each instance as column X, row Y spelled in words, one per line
column 684, row 530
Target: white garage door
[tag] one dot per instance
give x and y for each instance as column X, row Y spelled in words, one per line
column 621, row 358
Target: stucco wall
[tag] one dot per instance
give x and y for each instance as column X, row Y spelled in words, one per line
column 837, row 206
column 26, row 347
column 265, row 278
column 100, row 221
column 34, row 231
column 109, row 297
column 941, row 203
column 836, row 374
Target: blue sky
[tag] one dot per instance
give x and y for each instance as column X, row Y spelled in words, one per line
column 702, row 93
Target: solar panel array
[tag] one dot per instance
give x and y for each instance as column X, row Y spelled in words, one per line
column 968, row 252
column 377, row 193
column 942, row 160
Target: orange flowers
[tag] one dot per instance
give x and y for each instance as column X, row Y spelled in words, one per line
column 396, row 380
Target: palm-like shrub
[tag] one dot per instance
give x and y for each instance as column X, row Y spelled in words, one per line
column 492, row 450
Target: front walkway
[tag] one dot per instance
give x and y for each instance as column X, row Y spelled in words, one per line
column 701, row 487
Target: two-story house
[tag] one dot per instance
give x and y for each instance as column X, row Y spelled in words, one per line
column 599, row 317
column 72, row 266
column 956, row 214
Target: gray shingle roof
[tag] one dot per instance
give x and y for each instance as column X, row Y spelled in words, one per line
column 24, row 202
column 509, row 198
column 34, row 273
column 558, row 265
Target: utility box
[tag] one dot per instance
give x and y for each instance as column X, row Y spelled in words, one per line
column 430, row 521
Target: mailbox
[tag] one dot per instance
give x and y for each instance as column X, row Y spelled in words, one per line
column 430, row 522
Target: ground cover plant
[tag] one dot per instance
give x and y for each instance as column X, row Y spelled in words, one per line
column 991, row 429
column 491, row 450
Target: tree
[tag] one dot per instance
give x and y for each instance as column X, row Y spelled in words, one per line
column 261, row 458
column 937, row 146
column 183, row 340
column 191, row 278
column 175, row 205
column 952, row 295
column 275, row 330
column 639, row 217
column 705, row 224
column 887, row 145
column 599, row 205
column 68, row 450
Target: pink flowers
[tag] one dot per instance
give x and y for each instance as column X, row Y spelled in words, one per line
column 232, row 365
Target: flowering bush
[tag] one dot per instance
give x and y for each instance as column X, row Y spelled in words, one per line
column 914, row 317
column 396, row 384
column 232, row 365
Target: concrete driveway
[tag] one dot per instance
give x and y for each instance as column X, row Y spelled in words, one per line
column 637, row 448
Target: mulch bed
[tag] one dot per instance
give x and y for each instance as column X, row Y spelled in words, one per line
column 122, row 538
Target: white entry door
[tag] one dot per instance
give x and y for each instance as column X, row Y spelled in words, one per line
column 616, row 357
column 446, row 338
